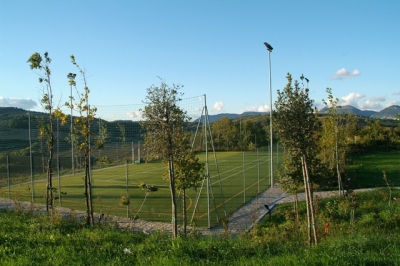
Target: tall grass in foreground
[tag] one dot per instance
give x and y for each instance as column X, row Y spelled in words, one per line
column 363, row 231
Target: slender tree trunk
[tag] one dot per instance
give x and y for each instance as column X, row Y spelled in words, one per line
column 173, row 197
column 91, row 221
column 49, row 190
column 50, row 194
column 340, row 183
column 88, row 194
column 311, row 202
column 296, row 206
column 307, row 202
column 184, row 212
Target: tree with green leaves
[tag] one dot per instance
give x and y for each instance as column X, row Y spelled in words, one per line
column 337, row 131
column 188, row 170
column 225, row 132
column 122, row 138
column 83, row 133
column 375, row 136
column 253, row 134
column 163, row 119
column 330, row 136
column 42, row 64
column 296, row 125
column 290, row 179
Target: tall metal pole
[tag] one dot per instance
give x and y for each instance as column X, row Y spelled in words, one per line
column 72, row 139
column 269, row 48
column 207, row 169
column 127, row 192
column 30, row 156
column 8, row 175
column 244, row 180
column 133, row 154
column 139, row 159
column 58, row 163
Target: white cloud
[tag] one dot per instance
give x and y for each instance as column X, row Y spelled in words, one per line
column 392, row 103
column 377, row 99
column 396, row 93
column 373, row 103
column 134, row 114
column 369, row 105
column 344, row 73
column 319, row 105
column 351, row 99
column 20, row 103
column 218, row 106
column 261, row 108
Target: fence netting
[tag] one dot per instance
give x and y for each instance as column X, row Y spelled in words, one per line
column 117, row 171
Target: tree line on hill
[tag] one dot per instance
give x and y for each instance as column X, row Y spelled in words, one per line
column 244, row 133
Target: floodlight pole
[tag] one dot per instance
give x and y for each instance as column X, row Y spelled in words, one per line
column 71, row 77
column 269, row 48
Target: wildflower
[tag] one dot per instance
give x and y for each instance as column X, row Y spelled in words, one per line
column 127, row 251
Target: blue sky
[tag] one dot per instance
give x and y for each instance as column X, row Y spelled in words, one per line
column 211, row 47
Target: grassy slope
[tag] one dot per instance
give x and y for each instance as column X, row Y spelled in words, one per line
column 372, row 239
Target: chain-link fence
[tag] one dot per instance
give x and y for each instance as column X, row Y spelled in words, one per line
column 232, row 177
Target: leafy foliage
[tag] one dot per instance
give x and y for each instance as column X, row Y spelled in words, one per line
column 163, row 125
column 42, row 64
column 82, row 133
column 296, row 124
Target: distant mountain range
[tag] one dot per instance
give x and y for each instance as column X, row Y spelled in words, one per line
column 390, row 112
column 213, row 118
column 387, row 113
column 348, row 109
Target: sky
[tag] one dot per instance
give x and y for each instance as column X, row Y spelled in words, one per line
column 211, row 47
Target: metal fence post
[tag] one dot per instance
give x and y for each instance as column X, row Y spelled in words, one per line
column 244, row 180
column 8, row 175
column 127, row 192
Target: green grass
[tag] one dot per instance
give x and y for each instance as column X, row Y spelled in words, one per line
column 109, row 184
column 372, row 239
column 232, row 184
column 366, row 170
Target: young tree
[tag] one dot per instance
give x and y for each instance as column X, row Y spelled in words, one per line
column 122, row 138
column 163, row 119
column 188, row 170
column 337, row 131
column 291, row 178
column 37, row 62
column 82, row 135
column 295, row 125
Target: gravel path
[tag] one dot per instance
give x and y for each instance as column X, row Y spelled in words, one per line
column 240, row 221
column 250, row 214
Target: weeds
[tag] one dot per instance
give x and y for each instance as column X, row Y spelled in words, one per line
column 370, row 238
